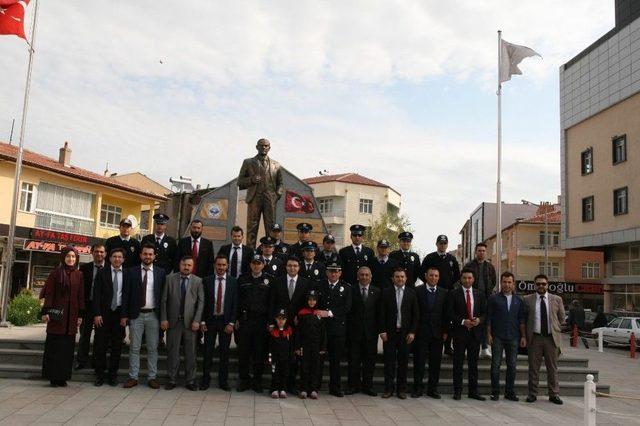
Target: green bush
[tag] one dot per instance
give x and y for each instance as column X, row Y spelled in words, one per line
column 24, row 309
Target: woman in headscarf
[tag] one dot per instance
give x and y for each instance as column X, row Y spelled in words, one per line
column 64, row 291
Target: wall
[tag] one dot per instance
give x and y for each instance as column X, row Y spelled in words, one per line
column 573, row 265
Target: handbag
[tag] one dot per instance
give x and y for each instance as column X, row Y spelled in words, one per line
column 55, row 314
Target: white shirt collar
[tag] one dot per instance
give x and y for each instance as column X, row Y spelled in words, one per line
column 150, row 267
column 127, row 238
column 332, row 284
column 289, row 277
column 113, row 268
column 158, row 236
column 359, row 247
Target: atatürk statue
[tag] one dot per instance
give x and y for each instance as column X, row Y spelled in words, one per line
column 262, row 178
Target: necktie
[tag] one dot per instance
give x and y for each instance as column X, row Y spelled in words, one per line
column 219, row 297
column 357, row 251
column 364, row 294
column 158, row 239
column 194, row 254
column 469, row 308
column 114, row 299
column 308, row 266
column 143, row 290
column 399, row 305
column 183, row 293
column 382, row 262
column 544, row 321
column 292, row 287
column 234, row 263
column 431, row 297
column 96, row 271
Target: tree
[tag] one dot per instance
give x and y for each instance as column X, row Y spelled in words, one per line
column 387, row 227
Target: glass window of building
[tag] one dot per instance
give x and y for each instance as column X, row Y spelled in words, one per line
column 586, row 158
column 619, row 145
column 27, row 197
column 591, row 270
column 325, row 205
column 620, row 204
column 110, row 216
column 588, row 209
column 366, row 206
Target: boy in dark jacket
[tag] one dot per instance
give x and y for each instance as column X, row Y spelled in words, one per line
column 310, row 345
column 280, row 344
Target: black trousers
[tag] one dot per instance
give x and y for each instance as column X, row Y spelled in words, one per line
column 280, row 374
column 252, row 336
column 293, row 373
column 467, row 341
column 224, row 340
column 335, row 348
column 362, row 359
column 84, row 343
column 427, row 346
column 310, row 368
column 108, row 338
column 396, row 360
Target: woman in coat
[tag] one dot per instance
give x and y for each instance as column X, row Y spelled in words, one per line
column 64, row 291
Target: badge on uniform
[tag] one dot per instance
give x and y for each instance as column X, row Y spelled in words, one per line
column 266, row 281
column 316, row 272
column 341, row 289
column 451, row 263
column 365, row 257
column 166, row 244
column 274, row 267
column 132, row 249
column 284, row 249
column 412, row 258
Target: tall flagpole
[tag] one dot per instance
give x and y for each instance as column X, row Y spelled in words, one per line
column 6, row 282
column 498, row 183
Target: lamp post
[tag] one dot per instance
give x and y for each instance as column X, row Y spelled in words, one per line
column 546, row 235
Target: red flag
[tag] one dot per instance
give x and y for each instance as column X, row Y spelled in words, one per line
column 12, row 17
column 296, row 203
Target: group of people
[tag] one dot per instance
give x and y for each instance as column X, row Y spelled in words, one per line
column 291, row 307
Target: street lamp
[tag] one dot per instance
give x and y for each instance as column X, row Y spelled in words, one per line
column 546, row 235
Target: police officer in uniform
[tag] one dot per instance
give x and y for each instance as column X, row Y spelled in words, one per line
column 383, row 266
column 273, row 265
column 304, row 235
column 355, row 255
column 166, row 246
column 254, row 296
column 125, row 241
column 310, row 268
column 328, row 254
column 280, row 248
column 407, row 259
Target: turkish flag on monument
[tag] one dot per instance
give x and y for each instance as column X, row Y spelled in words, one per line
column 12, row 17
column 296, row 203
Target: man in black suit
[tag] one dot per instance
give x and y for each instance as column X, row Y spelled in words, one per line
column 363, row 333
column 239, row 255
column 166, row 246
column 383, row 266
column 141, row 301
column 199, row 248
column 218, row 320
column 89, row 272
column 125, row 241
column 304, row 236
column 107, row 311
column 432, row 329
column 336, row 298
column 399, row 322
column 407, row 259
column 467, row 308
column 273, row 265
column 353, row 256
column 312, row 269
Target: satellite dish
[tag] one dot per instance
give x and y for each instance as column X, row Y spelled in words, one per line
column 134, row 221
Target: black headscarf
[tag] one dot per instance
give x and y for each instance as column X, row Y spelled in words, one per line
column 65, row 270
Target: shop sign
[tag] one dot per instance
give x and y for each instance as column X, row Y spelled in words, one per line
column 562, row 287
column 59, row 237
column 53, row 247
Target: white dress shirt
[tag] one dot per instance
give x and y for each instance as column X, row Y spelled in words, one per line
column 536, row 323
column 357, row 249
column 509, row 299
column 150, row 301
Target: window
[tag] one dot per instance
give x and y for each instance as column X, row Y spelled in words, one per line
column 586, row 159
column 626, row 324
column 366, row 206
column 620, row 205
column 591, row 270
column 553, row 239
column 64, row 209
column 625, row 260
column 619, row 145
column 110, row 216
column 588, row 209
column 615, row 323
column 325, row 205
column 27, row 197
column 553, row 269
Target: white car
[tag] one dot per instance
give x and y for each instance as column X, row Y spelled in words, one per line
column 619, row 330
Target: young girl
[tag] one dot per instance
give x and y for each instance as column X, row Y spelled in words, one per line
column 280, row 344
column 310, row 344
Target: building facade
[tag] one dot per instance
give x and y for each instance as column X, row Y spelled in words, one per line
column 600, row 155
column 349, row 198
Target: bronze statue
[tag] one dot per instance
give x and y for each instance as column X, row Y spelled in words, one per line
column 262, row 178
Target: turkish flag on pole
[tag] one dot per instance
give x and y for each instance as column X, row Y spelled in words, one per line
column 12, row 17
column 296, row 203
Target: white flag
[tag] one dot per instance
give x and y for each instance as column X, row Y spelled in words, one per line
column 510, row 56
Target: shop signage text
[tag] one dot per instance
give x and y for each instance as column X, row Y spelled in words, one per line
column 562, row 287
column 53, row 247
column 59, row 237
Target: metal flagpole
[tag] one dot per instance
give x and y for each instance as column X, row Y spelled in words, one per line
column 6, row 284
column 498, row 183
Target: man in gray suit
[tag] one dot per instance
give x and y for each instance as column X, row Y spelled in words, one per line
column 262, row 178
column 180, row 314
column 544, row 314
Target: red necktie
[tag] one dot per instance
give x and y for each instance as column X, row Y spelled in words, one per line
column 469, row 309
column 219, row 297
column 194, row 254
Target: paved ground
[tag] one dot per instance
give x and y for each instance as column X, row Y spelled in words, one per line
column 33, row 402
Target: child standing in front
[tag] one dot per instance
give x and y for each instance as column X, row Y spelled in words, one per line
column 280, row 344
column 310, row 345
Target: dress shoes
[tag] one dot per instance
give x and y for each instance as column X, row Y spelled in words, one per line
column 79, row 366
column 153, row 384
column 337, row 393
column 225, row 387
column 416, row 394
column 204, row 385
column 112, row 381
column 191, row 386
column 457, row 396
column 402, row 395
column 556, row 400
column 476, row 396
column 512, row 397
column 495, row 397
column 434, row 395
column 170, row 386
column 370, row 392
column 351, row 391
column 387, row 394
column 99, row 381
column 531, row 398
column 130, row 383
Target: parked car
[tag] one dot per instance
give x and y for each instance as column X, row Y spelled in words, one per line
column 619, row 330
column 589, row 316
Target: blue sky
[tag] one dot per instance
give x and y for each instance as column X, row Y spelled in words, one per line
column 400, row 91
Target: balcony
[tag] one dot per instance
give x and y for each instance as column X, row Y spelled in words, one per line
column 537, row 250
column 334, row 217
column 63, row 223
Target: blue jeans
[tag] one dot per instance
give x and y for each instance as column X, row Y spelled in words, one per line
column 511, row 351
column 148, row 324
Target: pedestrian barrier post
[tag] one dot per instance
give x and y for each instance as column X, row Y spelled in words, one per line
column 632, row 346
column 589, row 401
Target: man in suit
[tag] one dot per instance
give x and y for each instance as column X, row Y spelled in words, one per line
column 467, row 309
column 180, row 314
column 199, row 249
column 141, row 299
column 304, row 238
column 545, row 314
column 239, row 255
column 407, row 259
column 130, row 245
column 311, row 269
column 505, row 330
column 166, row 246
column 399, row 318
column 432, row 330
column 328, row 253
column 362, row 325
column 355, row 255
column 261, row 176
column 89, row 272
column 336, row 300
column 273, row 265
column 107, row 311
column 382, row 266
column 218, row 320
